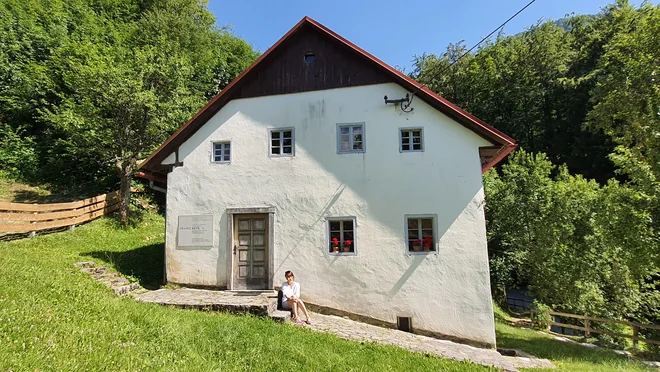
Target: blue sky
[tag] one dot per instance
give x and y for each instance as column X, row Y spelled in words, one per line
column 394, row 31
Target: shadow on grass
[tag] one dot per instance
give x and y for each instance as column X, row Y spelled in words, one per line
column 32, row 196
column 135, row 217
column 544, row 347
column 144, row 263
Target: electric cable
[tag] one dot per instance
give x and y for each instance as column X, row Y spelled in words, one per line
column 477, row 44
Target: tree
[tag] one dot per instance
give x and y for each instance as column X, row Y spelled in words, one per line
column 533, row 86
column 132, row 74
column 627, row 98
column 579, row 246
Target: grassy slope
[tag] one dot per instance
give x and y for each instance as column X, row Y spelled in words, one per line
column 566, row 356
column 54, row 317
column 12, row 191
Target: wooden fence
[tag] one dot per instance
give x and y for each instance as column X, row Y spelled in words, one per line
column 588, row 330
column 16, row 218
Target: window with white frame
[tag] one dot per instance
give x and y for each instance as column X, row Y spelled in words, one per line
column 282, row 142
column 221, row 152
column 412, row 139
column 350, row 137
column 342, row 234
column 420, row 233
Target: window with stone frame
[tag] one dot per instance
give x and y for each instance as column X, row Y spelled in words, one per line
column 221, row 152
column 421, row 233
column 282, row 142
column 411, row 139
column 342, row 235
column 350, row 138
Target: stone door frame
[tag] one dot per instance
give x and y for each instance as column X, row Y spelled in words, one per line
column 231, row 213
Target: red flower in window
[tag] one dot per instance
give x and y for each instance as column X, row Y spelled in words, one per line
column 347, row 243
column 427, row 242
column 417, row 242
column 335, row 242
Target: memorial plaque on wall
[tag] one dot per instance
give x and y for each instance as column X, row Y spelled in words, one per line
column 195, row 231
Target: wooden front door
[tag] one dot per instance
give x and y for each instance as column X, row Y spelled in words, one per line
column 250, row 251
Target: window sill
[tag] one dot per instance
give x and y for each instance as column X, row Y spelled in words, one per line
column 420, row 253
column 350, row 152
column 342, row 254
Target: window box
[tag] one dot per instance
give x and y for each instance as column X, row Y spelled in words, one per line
column 342, row 235
column 421, row 233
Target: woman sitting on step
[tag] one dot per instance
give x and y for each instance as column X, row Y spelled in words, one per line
column 291, row 298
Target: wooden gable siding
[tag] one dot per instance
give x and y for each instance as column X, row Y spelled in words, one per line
column 286, row 71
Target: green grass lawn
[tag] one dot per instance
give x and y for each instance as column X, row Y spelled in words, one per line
column 54, row 317
column 566, row 356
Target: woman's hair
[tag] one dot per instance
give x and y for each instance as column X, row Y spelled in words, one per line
column 288, row 273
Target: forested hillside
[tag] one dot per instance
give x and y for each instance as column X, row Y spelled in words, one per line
column 574, row 213
column 89, row 87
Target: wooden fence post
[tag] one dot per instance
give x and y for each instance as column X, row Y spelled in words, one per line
column 587, row 332
column 635, row 337
column 33, row 233
column 548, row 319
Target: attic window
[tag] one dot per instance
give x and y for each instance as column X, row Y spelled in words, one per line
column 309, row 57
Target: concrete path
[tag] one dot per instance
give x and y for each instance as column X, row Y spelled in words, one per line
column 352, row 330
column 265, row 304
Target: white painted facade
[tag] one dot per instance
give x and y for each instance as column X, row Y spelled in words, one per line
column 446, row 291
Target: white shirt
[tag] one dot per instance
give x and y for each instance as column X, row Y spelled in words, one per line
column 290, row 291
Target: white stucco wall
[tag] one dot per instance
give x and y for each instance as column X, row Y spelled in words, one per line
column 446, row 292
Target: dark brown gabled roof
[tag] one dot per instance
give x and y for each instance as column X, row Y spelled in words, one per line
column 503, row 143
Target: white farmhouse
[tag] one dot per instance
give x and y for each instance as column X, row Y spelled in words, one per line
column 376, row 204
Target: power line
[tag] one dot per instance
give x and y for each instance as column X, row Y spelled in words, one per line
column 482, row 40
column 495, row 30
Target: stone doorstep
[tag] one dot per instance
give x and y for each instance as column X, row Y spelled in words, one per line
column 280, row 316
column 200, row 299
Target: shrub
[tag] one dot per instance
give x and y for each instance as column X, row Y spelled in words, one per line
column 18, row 156
column 540, row 320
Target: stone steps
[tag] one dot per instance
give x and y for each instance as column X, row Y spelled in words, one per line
column 120, row 285
column 125, row 289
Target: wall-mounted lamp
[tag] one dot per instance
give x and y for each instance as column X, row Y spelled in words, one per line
column 403, row 102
